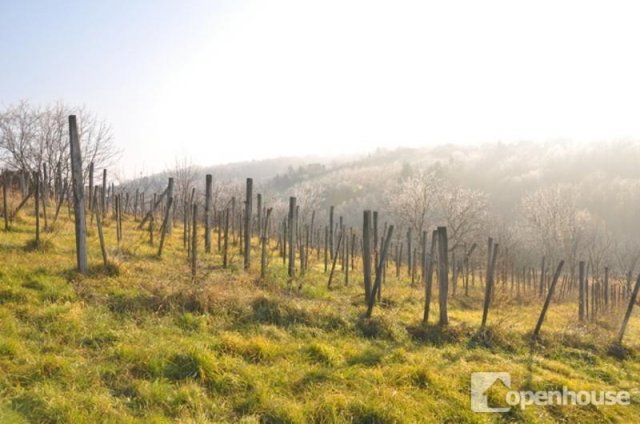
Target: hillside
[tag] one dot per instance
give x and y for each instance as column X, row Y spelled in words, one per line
column 604, row 177
column 140, row 341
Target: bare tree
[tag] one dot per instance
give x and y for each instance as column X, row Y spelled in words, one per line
column 32, row 135
column 415, row 201
column 464, row 212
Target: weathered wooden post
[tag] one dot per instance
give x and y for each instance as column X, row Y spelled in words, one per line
column 335, row 259
column 45, row 195
column 492, row 253
column 103, row 199
column 326, row 248
column 292, row 238
column 225, row 248
column 443, row 262
column 547, row 301
column 194, row 241
column 627, row 315
column 163, row 229
column 207, row 211
column 383, row 257
column 428, row 276
column 103, row 248
column 78, row 195
column 258, row 227
column 248, row 209
column 263, row 242
column 366, row 253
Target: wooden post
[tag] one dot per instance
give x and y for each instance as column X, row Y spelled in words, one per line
column 335, row 259
column 225, row 249
column 45, row 195
column 627, row 315
column 103, row 199
column 428, row 277
column 326, row 248
column 381, row 262
column 547, row 301
column 194, row 241
column 258, row 228
column 581, row 294
column 207, row 211
column 443, row 262
column 78, row 196
column 103, row 248
column 165, row 222
column 247, row 223
column 366, row 253
column 292, row 238
column 263, row 242
column 492, row 253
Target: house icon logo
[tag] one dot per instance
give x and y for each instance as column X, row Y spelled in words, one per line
column 481, row 382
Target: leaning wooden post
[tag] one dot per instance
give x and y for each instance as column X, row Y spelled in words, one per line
column 335, row 259
column 78, row 195
column 443, row 274
column 379, row 266
column 547, row 301
column 103, row 248
column 207, row 211
column 627, row 315
column 248, row 206
column 292, row 237
column 165, row 222
column 488, row 293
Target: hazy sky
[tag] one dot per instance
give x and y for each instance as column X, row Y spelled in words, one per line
column 236, row 80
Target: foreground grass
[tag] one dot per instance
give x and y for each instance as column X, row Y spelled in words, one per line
column 141, row 342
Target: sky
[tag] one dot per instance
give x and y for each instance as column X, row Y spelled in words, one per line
column 225, row 81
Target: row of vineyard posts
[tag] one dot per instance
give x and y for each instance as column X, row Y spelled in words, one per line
column 372, row 247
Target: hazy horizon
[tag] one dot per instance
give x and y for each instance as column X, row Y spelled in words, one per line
column 228, row 81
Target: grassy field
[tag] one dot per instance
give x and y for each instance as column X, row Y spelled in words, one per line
column 139, row 341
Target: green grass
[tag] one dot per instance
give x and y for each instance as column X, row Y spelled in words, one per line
column 139, row 341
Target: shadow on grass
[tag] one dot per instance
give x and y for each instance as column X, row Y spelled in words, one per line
column 438, row 335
